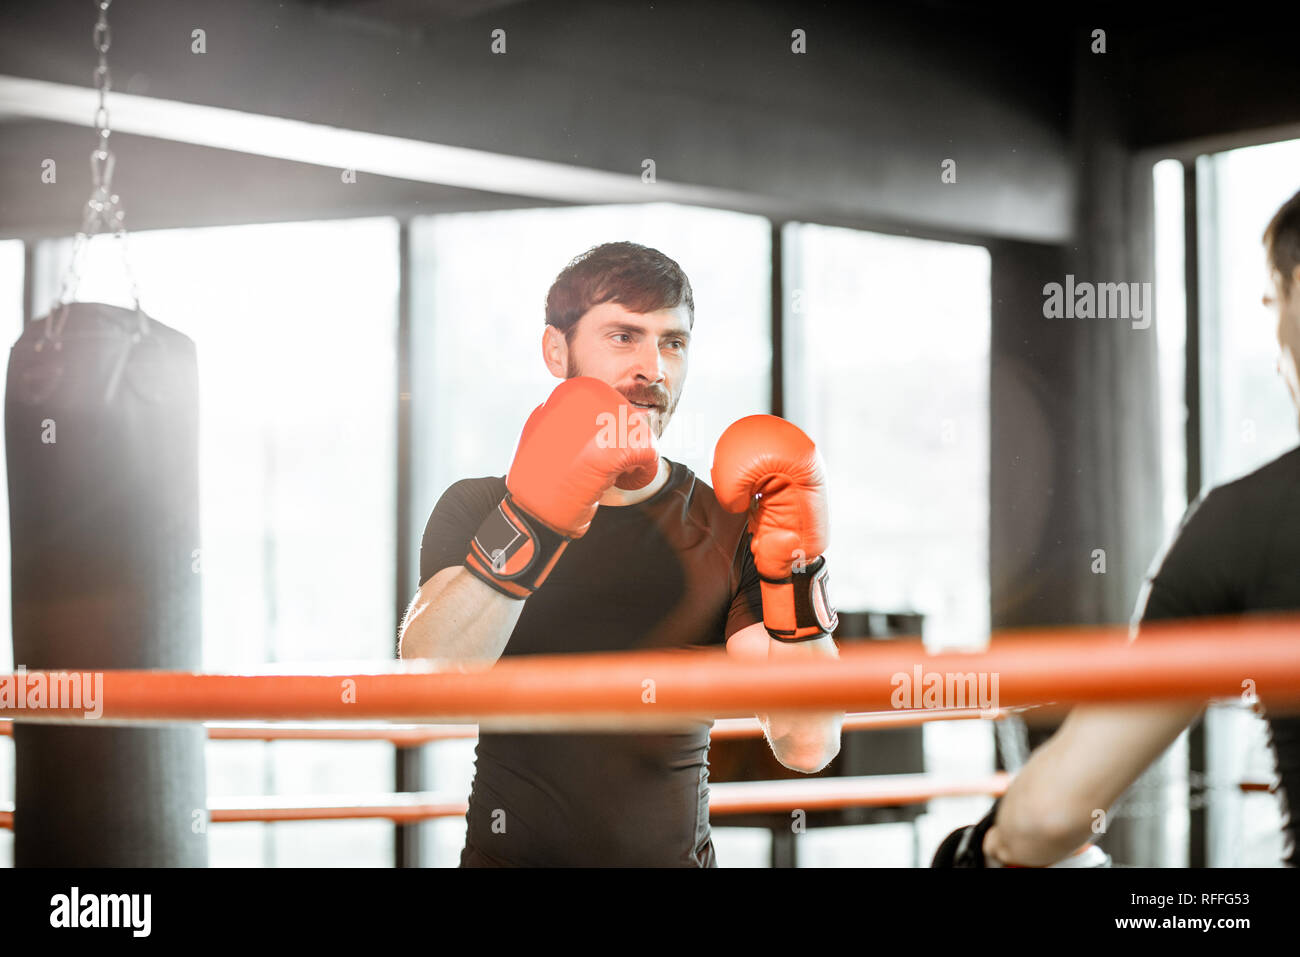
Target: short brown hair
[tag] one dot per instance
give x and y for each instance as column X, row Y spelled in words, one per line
column 636, row 277
column 1282, row 241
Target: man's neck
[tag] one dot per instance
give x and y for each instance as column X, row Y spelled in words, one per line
column 618, row 496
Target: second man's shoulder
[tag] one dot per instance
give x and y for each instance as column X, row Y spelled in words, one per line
column 1243, row 513
column 1257, row 492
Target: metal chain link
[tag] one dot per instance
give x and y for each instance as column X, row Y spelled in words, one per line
column 104, row 212
column 1013, row 741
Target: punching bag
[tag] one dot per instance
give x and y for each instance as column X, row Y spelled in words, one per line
column 101, row 430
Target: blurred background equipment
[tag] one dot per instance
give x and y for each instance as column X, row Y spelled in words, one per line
column 101, row 434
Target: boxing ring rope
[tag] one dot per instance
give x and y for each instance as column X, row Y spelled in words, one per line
column 411, row 736
column 1196, row 660
column 737, row 797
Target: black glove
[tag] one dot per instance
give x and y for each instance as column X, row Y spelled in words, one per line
column 964, row 847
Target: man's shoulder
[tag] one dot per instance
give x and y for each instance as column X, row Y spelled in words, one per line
column 475, row 486
column 468, row 495
column 1236, row 519
column 480, row 481
column 729, row 531
column 1258, row 490
column 1283, row 470
column 700, row 497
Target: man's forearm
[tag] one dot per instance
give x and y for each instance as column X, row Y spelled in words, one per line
column 1040, row 824
column 465, row 620
column 804, row 742
column 1070, row 783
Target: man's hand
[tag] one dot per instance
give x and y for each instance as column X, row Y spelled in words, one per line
column 804, row 741
column 564, row 463
column 1051, row 806
column 964, row 847
column 770, row 468
column 976, row 846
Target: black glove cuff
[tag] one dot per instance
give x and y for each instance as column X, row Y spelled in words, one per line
column 964, row 847
column 808, row 601
column 513, row 551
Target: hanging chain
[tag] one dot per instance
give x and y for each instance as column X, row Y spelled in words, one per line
column 103, row 213
column 1012, row 735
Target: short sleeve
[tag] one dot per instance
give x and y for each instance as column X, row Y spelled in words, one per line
column 454, row 520
column 1201, row 570
column 747, row 604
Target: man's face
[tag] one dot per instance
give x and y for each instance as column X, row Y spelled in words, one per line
column 642, row 355
column 1287, row 308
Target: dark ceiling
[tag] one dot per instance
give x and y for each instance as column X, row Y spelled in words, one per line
column 408, row 15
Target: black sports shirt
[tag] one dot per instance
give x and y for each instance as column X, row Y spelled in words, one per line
column 674, row 571
column 1238, row 551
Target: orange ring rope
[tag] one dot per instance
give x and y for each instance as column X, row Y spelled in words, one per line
column 1193, row 660
column 408, row 736
column 737, row 797
column 726, row 798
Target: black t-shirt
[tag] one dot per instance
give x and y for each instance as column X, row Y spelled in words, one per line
column 674, row 571
column 1238, row 551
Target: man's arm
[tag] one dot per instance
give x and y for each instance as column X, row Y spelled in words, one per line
column 456, row 616
column 767, row 468
column 1099, row 751
column 801, row 742
column 1049, row 810
column 483, row 555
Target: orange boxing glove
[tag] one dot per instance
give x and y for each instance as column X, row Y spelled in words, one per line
column 583, row 440
column 767, row 466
